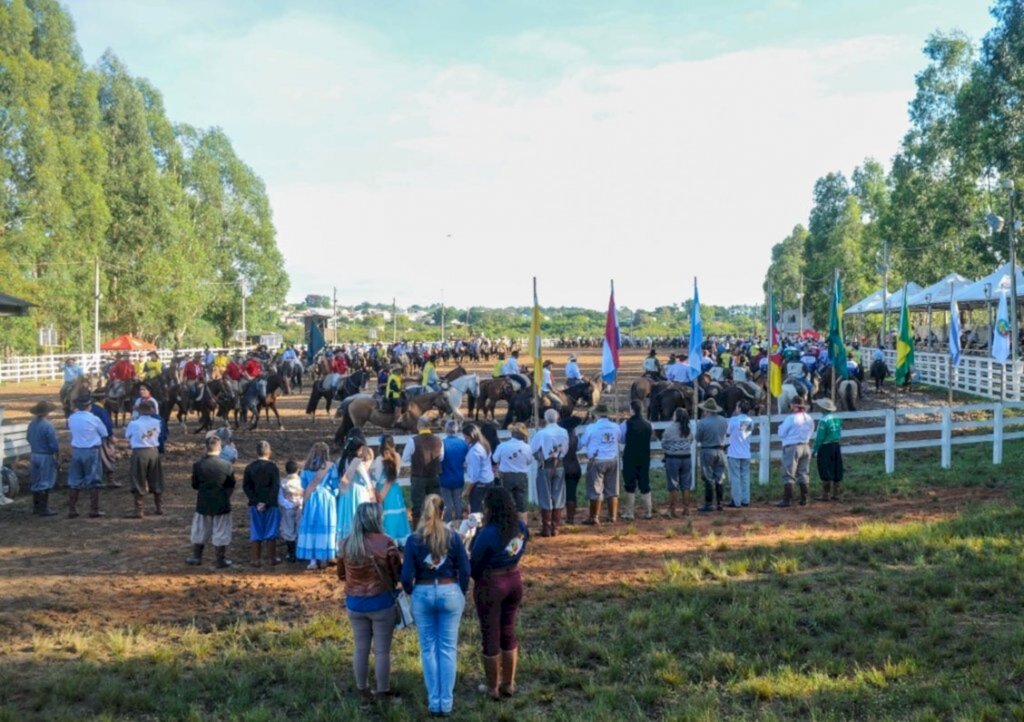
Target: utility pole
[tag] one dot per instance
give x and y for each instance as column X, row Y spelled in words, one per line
column 96, row 316
column 245, row 333
column 334, row 315
column 800, row 298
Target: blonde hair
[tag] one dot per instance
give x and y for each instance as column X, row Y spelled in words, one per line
column 519, row 431
column 432, row 529
column 367, row 521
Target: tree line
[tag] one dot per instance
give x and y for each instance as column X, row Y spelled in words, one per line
column 91, row 168
column 926, row 216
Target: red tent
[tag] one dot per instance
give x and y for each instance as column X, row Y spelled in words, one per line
column 127, row 343
column 811, row 335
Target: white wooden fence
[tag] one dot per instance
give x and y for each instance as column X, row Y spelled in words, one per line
column 51, row 366
column 978, row 375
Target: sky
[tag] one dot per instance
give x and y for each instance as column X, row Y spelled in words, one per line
column 442, row 150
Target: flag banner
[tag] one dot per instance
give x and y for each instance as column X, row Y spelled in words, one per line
column 538, row 371
column 836, row 343
column 1001, row 337
column 696, row 335
column 774, row 352
column 610, row 347
column 904, row 345
column 954, row 332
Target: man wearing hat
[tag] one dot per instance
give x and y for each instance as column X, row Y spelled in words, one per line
column 72, row 372
column 711, row 434
column 547, row 387
column 394, row 394
column 429, row 379
column 652, row 367
column 87, row 435
column 423, row 454
column 828, row 451
column 42, row 437
column 145, row 470
column 153, row 366
column 796, row 431
column 600, row 442
column 573, row 375
column 636, row 460
column 123, row 370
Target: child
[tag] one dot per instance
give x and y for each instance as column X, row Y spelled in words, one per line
column 389, row 494
column 289, row 501
column 318, row 529
column 261, row 484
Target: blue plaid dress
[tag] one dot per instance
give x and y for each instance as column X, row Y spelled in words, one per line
column 360, row 490
column 318, row 530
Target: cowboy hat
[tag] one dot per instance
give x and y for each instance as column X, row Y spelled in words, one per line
column 84, row 401
column 798, row 401
column 711, row 406
column 601, row 410
column 572, row 357
column 42, row 408
column 825, row 404
column 548, row 362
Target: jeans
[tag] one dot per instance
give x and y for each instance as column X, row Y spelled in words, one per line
column 437, row 609
column 452, row 503
column 739, row 480
column 377, row 628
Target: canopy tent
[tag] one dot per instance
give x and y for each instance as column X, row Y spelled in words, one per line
column 937, row 294
column 997, row 283
column 127, row 343
column 874, row 299
column 11, row 306
column 873, row 303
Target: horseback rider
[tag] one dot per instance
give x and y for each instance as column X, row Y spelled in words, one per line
column 123, row 370
column 252, row 370
column 394, row 393
column 652, row 367
column 153, row 366
column 72, row 372
column 195, row 375
column 680, row 373
column 573, row 375
column 547, row 387
column 499, row 365
column 511, row 366
column 429, row 378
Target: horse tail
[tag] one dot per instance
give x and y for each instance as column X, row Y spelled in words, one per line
column 849, row 398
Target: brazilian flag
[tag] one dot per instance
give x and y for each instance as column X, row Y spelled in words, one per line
column 904, row 345
column 836, row 345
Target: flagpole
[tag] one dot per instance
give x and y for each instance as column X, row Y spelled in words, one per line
column 842, row 341
column 949, row 356
column 693, row 392
column 536, row 359
column 611, row 289
column 768, row 355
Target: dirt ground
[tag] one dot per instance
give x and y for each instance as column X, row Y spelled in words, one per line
column 60, row 574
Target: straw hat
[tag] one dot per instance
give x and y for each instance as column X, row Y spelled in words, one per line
column 84, row 401
column 42, row 408
column 711, row 406
column 825, row 404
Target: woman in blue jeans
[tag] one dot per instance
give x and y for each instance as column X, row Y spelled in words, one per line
column 435, row 572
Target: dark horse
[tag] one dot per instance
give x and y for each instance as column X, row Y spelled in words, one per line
column 347, row 386
column 291, row 372
column 219, row 398
column 251, row 403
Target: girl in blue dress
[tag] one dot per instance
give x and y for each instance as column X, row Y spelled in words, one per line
column 389, row 493
column 318, row 529
column 356, row 488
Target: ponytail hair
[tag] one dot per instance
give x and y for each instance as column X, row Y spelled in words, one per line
column 432, row 529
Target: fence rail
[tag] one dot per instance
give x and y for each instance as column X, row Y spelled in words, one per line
column 48, row 367
column 978, row 375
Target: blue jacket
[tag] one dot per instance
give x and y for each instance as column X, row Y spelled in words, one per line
column 453, row 465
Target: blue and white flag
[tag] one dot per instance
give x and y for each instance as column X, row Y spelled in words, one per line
column 954, row 332
column 696, row 335
column 1001, row 337
column 610, row 348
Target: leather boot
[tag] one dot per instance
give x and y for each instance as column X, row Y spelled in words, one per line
column 673, row 502
column 709, row 497
column 825, row 491
column 73, row 504
column 254, row 553
column 94, row 504
column 272, row 553
column 719, row 495
column 648, row 505
column 804, row 490
column 835, row 492
column 787, row 496
column 545, row 522
column 490, row 686
column 158, row 510
column 613, row 510
column 291, row 552
column 629, row 508
column 222, row 561
column 556, row 521
column 595, row 512
column 570, row 512
column 44, row 504
column 686, row 502
column 509, row 662
column 197, row 556
column 35, row 503
column 137, row 512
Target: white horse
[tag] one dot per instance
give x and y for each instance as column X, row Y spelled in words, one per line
column 468, row 384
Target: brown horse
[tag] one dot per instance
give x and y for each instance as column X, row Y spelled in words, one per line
column 491, row 392
column 361, row 409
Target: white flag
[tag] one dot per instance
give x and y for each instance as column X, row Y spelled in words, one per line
column 1001, row 337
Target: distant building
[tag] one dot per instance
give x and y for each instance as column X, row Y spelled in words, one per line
column 789, row 321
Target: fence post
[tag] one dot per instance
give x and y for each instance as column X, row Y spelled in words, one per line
column 764, row 452
column 997, row 434
column 890, row 441
column 947, row 438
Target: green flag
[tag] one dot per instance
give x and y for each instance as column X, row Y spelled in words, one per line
column 836, row 345
column 904, row 345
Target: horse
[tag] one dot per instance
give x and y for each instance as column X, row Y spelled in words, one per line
column 251, row 402
column 491, row 392
column 790, row 392
column 663, row 405
column 118, row 401
column 358, row 410
column 878, row 372
column 847, row 394
column 335, row 386
column 291, row 371
column 740, row 391
column 219, row 397
column 70, row 392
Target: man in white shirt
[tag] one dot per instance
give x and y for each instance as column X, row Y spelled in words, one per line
column 547, row 387
column 549, row 447
column 679, row 372
column 600, row 442
column 573, row 375
column 145, row 470
column 738, row 432
column 513, row 458
column 85, row 471
column 795, row 432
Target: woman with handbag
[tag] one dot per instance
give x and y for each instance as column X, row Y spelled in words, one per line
column 370, row 564
column 496, row 551
column 435, row 572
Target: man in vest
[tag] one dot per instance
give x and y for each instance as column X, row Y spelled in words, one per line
column 636, row 460
column 496, row 372
column 424, row 454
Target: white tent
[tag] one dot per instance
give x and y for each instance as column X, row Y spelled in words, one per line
column 873, row 303
column 874, row 299
column 996, row 283
column 937, row 294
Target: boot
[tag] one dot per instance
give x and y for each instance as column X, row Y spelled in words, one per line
column 570, row 512
column 137, row 512
column 556, row 521
column 44, row 504
column 35, row 503
column 545, row 523
column 272, row 552
column 629, row 510
column 835, row 492
column 291, row 552
column 509, row 662
column 673, row 500
column 825, row 491
column 94, row 504
column 719, row 495
column 222, row 561
column 595, row 512
column 804, row 489
column 709, row 497
column 73, row 504
column 197, row 556
column 686, row 502
column 613, row 510
column 158, row 509
column 254, row 554
column 490, row 687
column 787, row 496
column 648, row 505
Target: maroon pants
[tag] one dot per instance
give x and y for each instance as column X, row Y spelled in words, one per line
column 497, row 600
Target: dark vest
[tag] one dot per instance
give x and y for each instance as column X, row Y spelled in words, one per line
column 638, row 441
column 426, row 456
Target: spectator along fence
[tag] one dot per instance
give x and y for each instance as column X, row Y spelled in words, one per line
column 47, row 367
